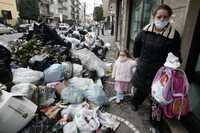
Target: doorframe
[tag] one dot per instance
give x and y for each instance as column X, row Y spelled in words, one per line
column 191, row 122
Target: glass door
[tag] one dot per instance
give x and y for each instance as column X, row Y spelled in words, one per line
column 140, row 15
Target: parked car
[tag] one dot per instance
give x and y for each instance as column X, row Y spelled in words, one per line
column 23, row 27
column 63, row 28
column 6, row 29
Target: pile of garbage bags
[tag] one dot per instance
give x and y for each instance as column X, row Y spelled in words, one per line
column 52, row 83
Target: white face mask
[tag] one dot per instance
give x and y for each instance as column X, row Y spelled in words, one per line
column 160, row 24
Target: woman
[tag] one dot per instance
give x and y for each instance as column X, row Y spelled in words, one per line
column 151, row 48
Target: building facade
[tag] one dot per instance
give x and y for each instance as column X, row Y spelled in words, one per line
column 133, row 15
column 109, row 12
column 44, row 7
column 82, row 13
column 8, row 12
column 65, row 10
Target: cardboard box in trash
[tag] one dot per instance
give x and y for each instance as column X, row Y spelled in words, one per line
column 15, row 112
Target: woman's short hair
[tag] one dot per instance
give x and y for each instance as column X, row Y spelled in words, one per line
column 165, row 7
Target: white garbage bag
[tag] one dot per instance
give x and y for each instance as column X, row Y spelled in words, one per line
column 75, row 42
column 91, row 61
column 26, row 89
column 38, row 58
column 77, row 69
column 26, row 75
column 72, row 95
column 68, row 69
column 72, row 109
column 54, row 73
column 108, row 121
column 87, row 120
column 95, row 94
column 70, row 127
column 80, row 83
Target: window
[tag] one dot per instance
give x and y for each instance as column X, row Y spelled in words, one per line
column 6, row 14
column 140, row 16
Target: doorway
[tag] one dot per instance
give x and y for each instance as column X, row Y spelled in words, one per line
column 192, row 121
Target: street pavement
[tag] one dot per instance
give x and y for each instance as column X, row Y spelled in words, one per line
column 139, row 119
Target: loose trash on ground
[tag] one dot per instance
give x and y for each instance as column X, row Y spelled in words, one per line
column 55, row 82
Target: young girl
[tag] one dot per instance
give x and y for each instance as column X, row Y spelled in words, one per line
column 122, row 73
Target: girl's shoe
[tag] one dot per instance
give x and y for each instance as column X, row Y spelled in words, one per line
column 117, row 100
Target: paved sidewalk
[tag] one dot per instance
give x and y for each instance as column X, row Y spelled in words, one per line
column 107, row 38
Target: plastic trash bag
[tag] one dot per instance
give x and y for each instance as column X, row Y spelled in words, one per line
column 108, row 121
column 26, row 89
column 80, row 83
column 68, row 69
column 54, row 73
column 86, row 120
column 91, row 61
column 75, row 110
column 71, row 110
column 40, row 62
column 70, row 127
column 2, row 87
column 44, row 96
column 5, row 59
column 72, row 95
column 25, row 75
column 77, row 69
column 38, row 58
column 5, row 72
column 75, row 42
column 96, row 94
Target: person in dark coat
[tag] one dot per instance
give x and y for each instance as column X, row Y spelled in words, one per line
column 151, row 48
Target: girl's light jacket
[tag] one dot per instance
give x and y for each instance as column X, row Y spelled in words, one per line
column 123, row 70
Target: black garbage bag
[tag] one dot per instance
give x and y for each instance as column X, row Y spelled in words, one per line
column 40, row 62
column 89, row 74
column 5, row 55
column 83, row 32
column 100, row 52
column 34, row 47
column 99, row 49
column 5, row 71
column 75, row 60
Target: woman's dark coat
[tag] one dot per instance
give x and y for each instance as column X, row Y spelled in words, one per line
column 152, row 49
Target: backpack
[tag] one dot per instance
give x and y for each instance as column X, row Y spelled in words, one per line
column 179, row 91
column 161, row 85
